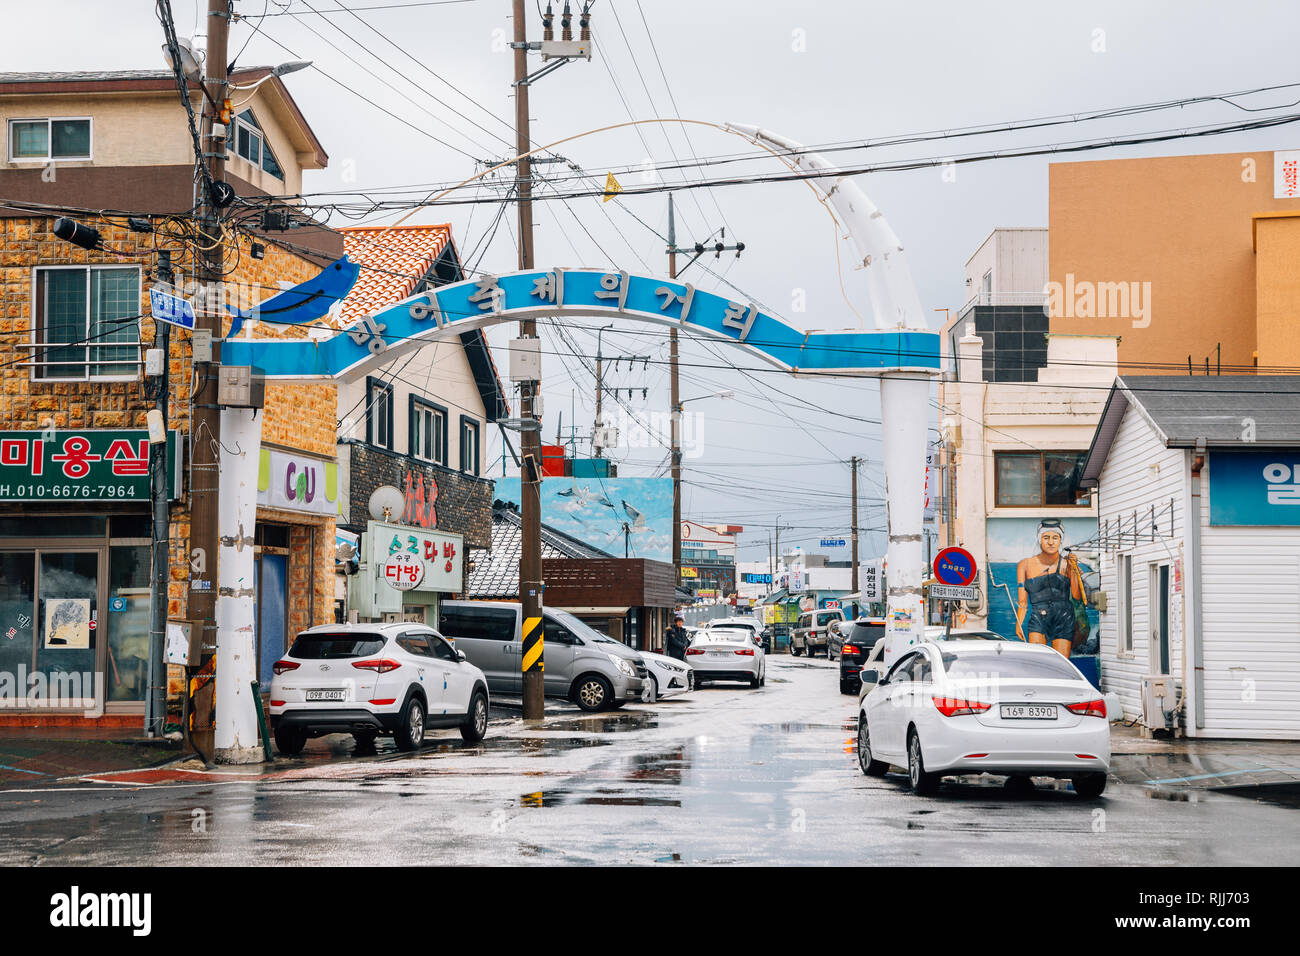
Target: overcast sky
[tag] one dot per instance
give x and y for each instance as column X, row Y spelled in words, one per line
column 817, row 72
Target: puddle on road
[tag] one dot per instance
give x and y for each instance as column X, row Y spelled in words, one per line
column 598, row 798
column 1177, row 796
column 605, row 723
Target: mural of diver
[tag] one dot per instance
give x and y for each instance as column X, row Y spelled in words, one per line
column 1049, row 584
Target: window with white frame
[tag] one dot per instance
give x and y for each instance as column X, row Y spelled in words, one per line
column 428, row 431
column 469, row 450
column 41, row 140
column 250, row 143
column 86, row 322
column 1124, row 571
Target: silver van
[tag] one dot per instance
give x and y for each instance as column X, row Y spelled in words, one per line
column 581, row 664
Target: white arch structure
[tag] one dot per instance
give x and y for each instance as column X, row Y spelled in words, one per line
column 902, row 352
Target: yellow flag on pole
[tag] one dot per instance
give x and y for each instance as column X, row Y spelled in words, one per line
column 612, row 187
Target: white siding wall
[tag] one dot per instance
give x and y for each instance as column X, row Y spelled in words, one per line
column 1251, row 581
column 1022, row 260
column 438, row 372
column 1130, row 484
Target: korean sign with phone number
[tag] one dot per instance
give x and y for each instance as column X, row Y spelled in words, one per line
column 81, row 465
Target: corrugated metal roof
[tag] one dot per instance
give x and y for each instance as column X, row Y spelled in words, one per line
column 1223, row 411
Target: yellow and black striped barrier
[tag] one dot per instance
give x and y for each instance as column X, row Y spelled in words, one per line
column 533, row 644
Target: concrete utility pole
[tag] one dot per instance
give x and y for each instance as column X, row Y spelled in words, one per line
column 853, row 525
column 598, row 445
column 530, row 560
column 205, row 422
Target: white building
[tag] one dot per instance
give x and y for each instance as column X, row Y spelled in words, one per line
column 1212, row 602
column 1018, row 407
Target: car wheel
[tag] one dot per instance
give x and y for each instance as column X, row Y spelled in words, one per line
column 593, row 693
column 755, row 681
column 1089, row 786
column 290, row 740
column 690, row 680
column 845, row 687
column 762, row 677
column 923, row 783
column 795, row 650
column 410, row 735
column 654, row 689
column 475, row 727
column 869, row 765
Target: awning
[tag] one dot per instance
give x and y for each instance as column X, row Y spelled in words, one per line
column 777, row 597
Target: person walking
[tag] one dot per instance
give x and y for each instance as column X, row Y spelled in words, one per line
column 677, row 640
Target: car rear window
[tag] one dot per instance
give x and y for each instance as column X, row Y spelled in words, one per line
column 321, row 647
column 1050, row 666
column 867, row 634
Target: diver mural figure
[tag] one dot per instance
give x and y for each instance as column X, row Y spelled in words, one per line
column 1048, row 583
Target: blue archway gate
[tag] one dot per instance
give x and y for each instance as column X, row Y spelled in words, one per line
column 425, row 317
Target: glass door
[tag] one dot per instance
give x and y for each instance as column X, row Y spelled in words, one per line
column 17, row 622
column 66, row 638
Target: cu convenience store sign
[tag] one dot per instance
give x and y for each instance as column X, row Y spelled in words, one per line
column 81, row 465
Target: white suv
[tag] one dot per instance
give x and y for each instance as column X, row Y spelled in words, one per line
column 372, row 679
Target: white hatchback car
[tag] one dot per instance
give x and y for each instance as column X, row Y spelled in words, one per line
column 373, row 679
column 983, row 706
column 727, row 653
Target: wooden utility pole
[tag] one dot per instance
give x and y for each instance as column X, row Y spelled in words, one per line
column 530, row 560
column 674, row 399
column 205, row 421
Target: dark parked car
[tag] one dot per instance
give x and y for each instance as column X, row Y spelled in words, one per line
column 860, row 637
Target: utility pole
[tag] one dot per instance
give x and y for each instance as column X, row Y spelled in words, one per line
column 676, row 417
column 853, row 527
column 205, row 422
column 598, row 445
column 530, row 561
column 156, row 702
column 718, row 249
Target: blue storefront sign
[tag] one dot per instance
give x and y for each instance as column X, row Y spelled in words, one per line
column 757, row 578
column 1255, row 487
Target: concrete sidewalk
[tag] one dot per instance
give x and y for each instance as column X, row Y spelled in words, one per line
column 1182, row 765
column 43, row 756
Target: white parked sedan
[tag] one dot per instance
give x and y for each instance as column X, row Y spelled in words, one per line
column 668, row 676
column 985, row 707
column 727, row 653
column 372, row 679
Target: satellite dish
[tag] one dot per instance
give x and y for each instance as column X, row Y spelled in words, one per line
column 386, row 503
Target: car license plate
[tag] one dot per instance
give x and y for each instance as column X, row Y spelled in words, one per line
column 1029, row 711
column 339, row 694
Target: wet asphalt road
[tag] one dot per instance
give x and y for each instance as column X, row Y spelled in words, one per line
column 724, row 775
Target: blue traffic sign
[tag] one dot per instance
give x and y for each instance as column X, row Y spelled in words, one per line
column 954, row 566
column 171, row 309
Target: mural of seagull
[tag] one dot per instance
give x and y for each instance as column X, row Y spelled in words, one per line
column 638, row 519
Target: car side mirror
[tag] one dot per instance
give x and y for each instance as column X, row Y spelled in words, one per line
column 460, row 656
column 872, row 676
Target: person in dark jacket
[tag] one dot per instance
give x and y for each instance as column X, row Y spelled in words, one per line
column 676, row 640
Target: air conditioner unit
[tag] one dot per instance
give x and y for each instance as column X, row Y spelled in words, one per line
column 1159, row 697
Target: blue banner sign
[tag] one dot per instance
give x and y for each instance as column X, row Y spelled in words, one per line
column 375, row 341
column 758, row 578
column 1255, row 487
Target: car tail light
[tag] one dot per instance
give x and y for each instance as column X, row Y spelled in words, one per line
column 747, row 652
column 693, row 650
column 279, row 667
column 384, row 702
column 849, row 649
column 1089, row 708
column 1086, row 756
column 382, row 666
column 280, row 703
column 956, row 706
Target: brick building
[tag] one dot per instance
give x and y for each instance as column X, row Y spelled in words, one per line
column 74, row 501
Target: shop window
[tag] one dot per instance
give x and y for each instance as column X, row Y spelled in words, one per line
column 271, row 535
column 379, row 413
column 1040, row 479
column 54, row 526
column 1124, row 569
column 41, row 140
column 17, row 604
column 250, row 144
column 81, row 316
column 428, row 426
column 469, row 448
column 67, row 614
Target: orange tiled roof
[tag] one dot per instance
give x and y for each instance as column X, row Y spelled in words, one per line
column 392, row 262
